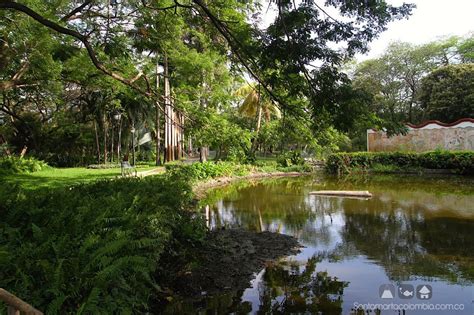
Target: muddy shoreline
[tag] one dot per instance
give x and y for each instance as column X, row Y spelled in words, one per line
column 228, row 259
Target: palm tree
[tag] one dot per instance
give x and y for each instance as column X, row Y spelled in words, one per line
column 256, row 104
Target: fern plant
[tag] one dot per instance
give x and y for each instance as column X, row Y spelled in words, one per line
column 92, row 249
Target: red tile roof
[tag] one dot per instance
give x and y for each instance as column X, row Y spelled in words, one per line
column 423, row 124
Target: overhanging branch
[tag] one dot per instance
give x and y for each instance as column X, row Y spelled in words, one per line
column 7, row 4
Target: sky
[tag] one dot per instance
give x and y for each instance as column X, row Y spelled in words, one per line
column 432, row 19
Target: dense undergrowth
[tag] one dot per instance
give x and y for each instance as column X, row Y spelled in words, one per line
column 94, row 248
column 207, row 170
column 103, row 247
column 16, row 165
column 461, row 162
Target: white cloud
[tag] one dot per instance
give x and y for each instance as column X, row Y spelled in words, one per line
column 431, row 19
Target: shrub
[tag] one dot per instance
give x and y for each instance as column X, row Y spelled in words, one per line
column 21, row 165
column 457, row 161
column 304, row 168
column 200, row 171
column 290, row 158
column 93, row 248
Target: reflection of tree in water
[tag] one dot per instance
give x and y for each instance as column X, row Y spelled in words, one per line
column 225, row 303
column 263, row 205
column 407, row 243
column 276, row 205
column 432, row 184
column 286, row 288
column 397, row 228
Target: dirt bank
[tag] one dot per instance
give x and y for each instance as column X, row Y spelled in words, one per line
column 229, row 259
column 226, row 261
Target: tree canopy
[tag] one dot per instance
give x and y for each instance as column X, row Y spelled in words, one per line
column 73, row 66
column 447, row 94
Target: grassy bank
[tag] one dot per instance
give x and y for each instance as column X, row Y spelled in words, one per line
column 457, row 162
column 34, row 174
column 102, row 246
column 61, row 177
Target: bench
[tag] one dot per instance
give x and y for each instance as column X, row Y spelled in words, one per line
column 127, row 169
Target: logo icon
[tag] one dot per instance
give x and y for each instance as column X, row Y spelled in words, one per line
column 406, row 291
column 424, row 292
column 387, row 291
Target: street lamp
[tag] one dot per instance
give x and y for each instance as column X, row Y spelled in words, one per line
column 133, row 144
column 117, row 116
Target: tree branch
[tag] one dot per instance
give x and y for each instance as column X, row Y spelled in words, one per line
column 76, row 10
column 235, row 45
column 7, row 4
column 15, row 80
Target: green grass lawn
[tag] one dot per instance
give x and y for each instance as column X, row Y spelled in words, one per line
column 57, row 177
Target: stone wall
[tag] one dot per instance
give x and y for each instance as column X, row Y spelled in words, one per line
column 429, row 137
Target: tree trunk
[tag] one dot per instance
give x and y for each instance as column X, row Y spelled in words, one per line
column 259, row 123
column 157, row 118
column 190, row 146
column 112, row 142
column 105, row 138
column 23, row 151
column 178, row 131
column 119, row 142
column 203, row 151
column 168, row 113
column 97, row 142
column 259, row 119
column 173, row 132
column 133, row 145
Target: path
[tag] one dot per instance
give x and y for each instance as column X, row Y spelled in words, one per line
column 155, row 171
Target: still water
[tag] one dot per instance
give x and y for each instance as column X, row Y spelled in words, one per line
column 412, row 243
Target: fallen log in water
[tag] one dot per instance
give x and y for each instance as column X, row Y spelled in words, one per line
column 343, row 193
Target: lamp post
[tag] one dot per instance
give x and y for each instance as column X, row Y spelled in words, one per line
column 117, row 116
column 133, row 144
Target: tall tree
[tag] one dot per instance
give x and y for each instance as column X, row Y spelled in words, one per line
column 256, row 104
column 448, row 93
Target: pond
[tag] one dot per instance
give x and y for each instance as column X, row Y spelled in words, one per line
column 410, row 246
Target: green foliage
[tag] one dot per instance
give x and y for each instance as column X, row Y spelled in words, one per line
column 456, row 161
column 447, row 93
column 232, row 142
column 62, row 107
column 300, row 168
column 466, row 50
column 202, row 171
column 407, row 84
column 207, row 170
column 92, row 249
column 290, row 158
column 18, row 165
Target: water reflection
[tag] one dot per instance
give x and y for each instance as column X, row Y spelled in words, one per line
column 413, row 229
column 288, row 288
